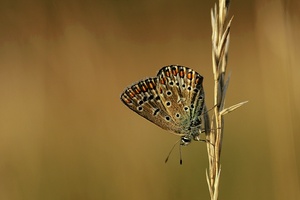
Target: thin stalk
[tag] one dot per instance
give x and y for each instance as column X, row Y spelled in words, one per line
column 214, row 134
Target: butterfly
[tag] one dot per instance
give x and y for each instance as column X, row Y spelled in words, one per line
column 173, row 100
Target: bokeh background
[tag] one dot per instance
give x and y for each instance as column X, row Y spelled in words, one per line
column 65, row 134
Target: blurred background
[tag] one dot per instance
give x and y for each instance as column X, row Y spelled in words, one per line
column 65, row 134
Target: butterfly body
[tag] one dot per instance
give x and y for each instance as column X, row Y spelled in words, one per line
column 173, row 100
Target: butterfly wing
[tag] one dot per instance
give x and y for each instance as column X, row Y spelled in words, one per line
column 173, row 100
column 181, row 91
column 143, row 98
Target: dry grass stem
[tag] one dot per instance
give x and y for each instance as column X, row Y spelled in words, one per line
column 232, row 108
column 214, row 128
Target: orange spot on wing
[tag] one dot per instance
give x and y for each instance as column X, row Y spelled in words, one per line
column 131, row 94
column 137, row 90
column 127, row 100
column 190, row 75
column 151, row 85
column 181, row 73
column 144, row 88
column 175, row 71
column 198, row 80
column 167, row 73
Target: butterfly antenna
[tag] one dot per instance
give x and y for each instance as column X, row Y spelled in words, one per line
column 171, row 151
column 180, row 160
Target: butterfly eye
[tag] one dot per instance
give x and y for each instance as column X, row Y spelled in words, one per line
column 185, row 141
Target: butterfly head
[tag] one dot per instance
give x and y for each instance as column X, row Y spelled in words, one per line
column 187, row 139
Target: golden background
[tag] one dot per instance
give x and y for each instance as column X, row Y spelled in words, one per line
column 65, row 134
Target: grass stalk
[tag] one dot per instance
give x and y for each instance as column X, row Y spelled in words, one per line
column 214, row 134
